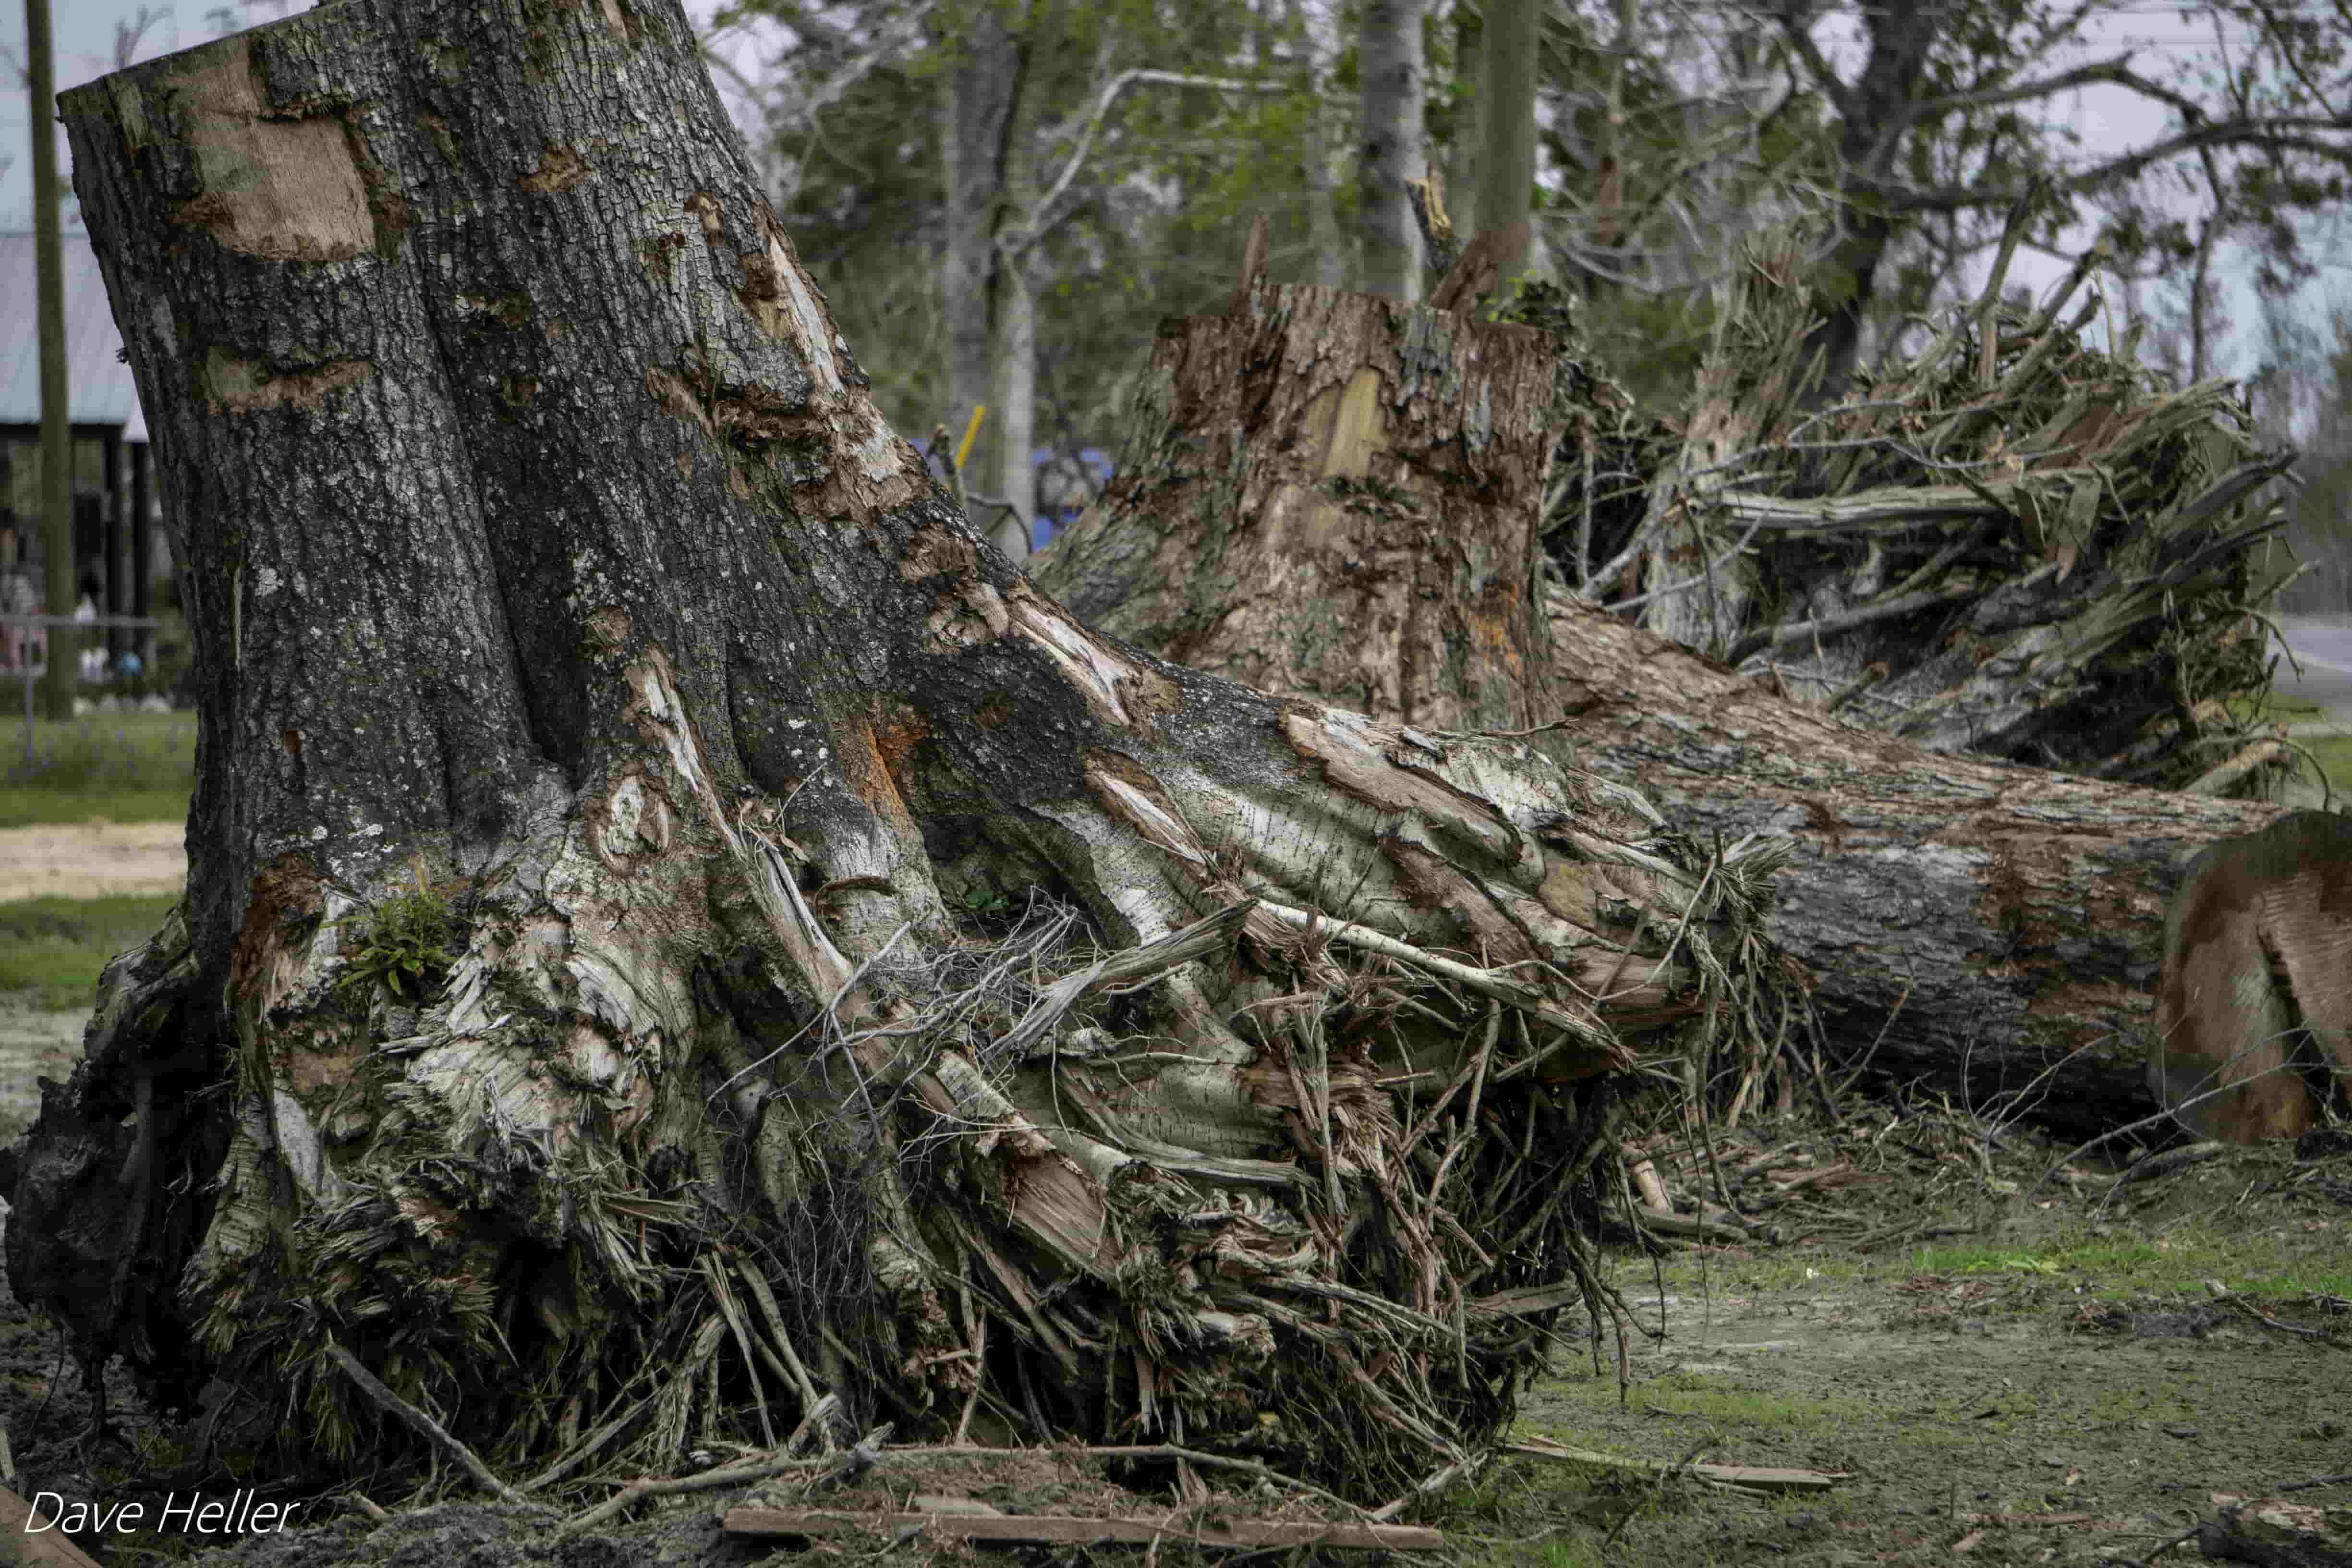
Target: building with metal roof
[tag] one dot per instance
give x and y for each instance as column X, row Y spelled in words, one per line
column 117, row 548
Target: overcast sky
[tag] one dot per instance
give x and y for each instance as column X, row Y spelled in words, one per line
column 2108, row 117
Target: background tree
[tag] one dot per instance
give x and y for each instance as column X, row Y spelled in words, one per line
column 2308, row 388
column 1073, row 176
column 1908, row 139
column 1393, row 86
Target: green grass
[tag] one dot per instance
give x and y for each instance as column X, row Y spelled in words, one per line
column 2334, row 756
column 2251, row 1262
column 123, row 767
column 1719, row 1402
column 54, row 948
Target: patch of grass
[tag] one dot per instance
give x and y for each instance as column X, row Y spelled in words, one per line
column 2251, row 1262
column 1697, row 1397
column 124, row 767
column 54, row 948
column 2334, row 756
column 2135, row 1407
column 2280, row 707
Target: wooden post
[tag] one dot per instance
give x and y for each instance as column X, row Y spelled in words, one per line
column 142, row 549
column 56, row 440
column 111, row 569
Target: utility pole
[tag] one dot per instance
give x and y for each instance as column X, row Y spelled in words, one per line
column 57, row 433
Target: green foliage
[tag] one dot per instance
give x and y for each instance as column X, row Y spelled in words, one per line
column 1654, row 161
column 55, row 948
column 405, row 948
column 121, row 767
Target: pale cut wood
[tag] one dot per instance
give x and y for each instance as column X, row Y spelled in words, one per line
column 48, row 1548
column 1066, row 1530
column 1755, row 1478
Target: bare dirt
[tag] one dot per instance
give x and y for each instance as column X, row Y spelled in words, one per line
column 2004, row 1418
column 91, row 861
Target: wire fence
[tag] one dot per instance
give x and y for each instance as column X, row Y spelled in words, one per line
column 28, row 673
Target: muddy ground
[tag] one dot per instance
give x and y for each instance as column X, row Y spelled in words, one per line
column 1993, row 1374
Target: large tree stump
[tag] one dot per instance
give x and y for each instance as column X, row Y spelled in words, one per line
column 676, row 925
column 1331, row 494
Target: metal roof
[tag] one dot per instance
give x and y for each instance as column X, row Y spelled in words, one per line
column 104, row 391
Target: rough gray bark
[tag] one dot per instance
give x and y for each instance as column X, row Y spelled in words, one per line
column 1388, row 145
column 554, row 584
column 1989, row 930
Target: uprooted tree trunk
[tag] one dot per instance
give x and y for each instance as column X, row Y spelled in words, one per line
column 676, row 924
column 1984, row 929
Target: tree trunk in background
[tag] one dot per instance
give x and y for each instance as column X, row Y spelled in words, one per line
column 650, row 859
column 1605, row 230
column 1506, row 122
column 1014, row 378
column 1388, row 145
column 978, row 100
column 1469, row 142
column 1873, row 113
column 1315, row 154
column 57, row 529
column 1332, row 494
column 1012, row 338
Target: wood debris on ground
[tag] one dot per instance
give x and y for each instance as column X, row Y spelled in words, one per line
column 1740, row 1478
